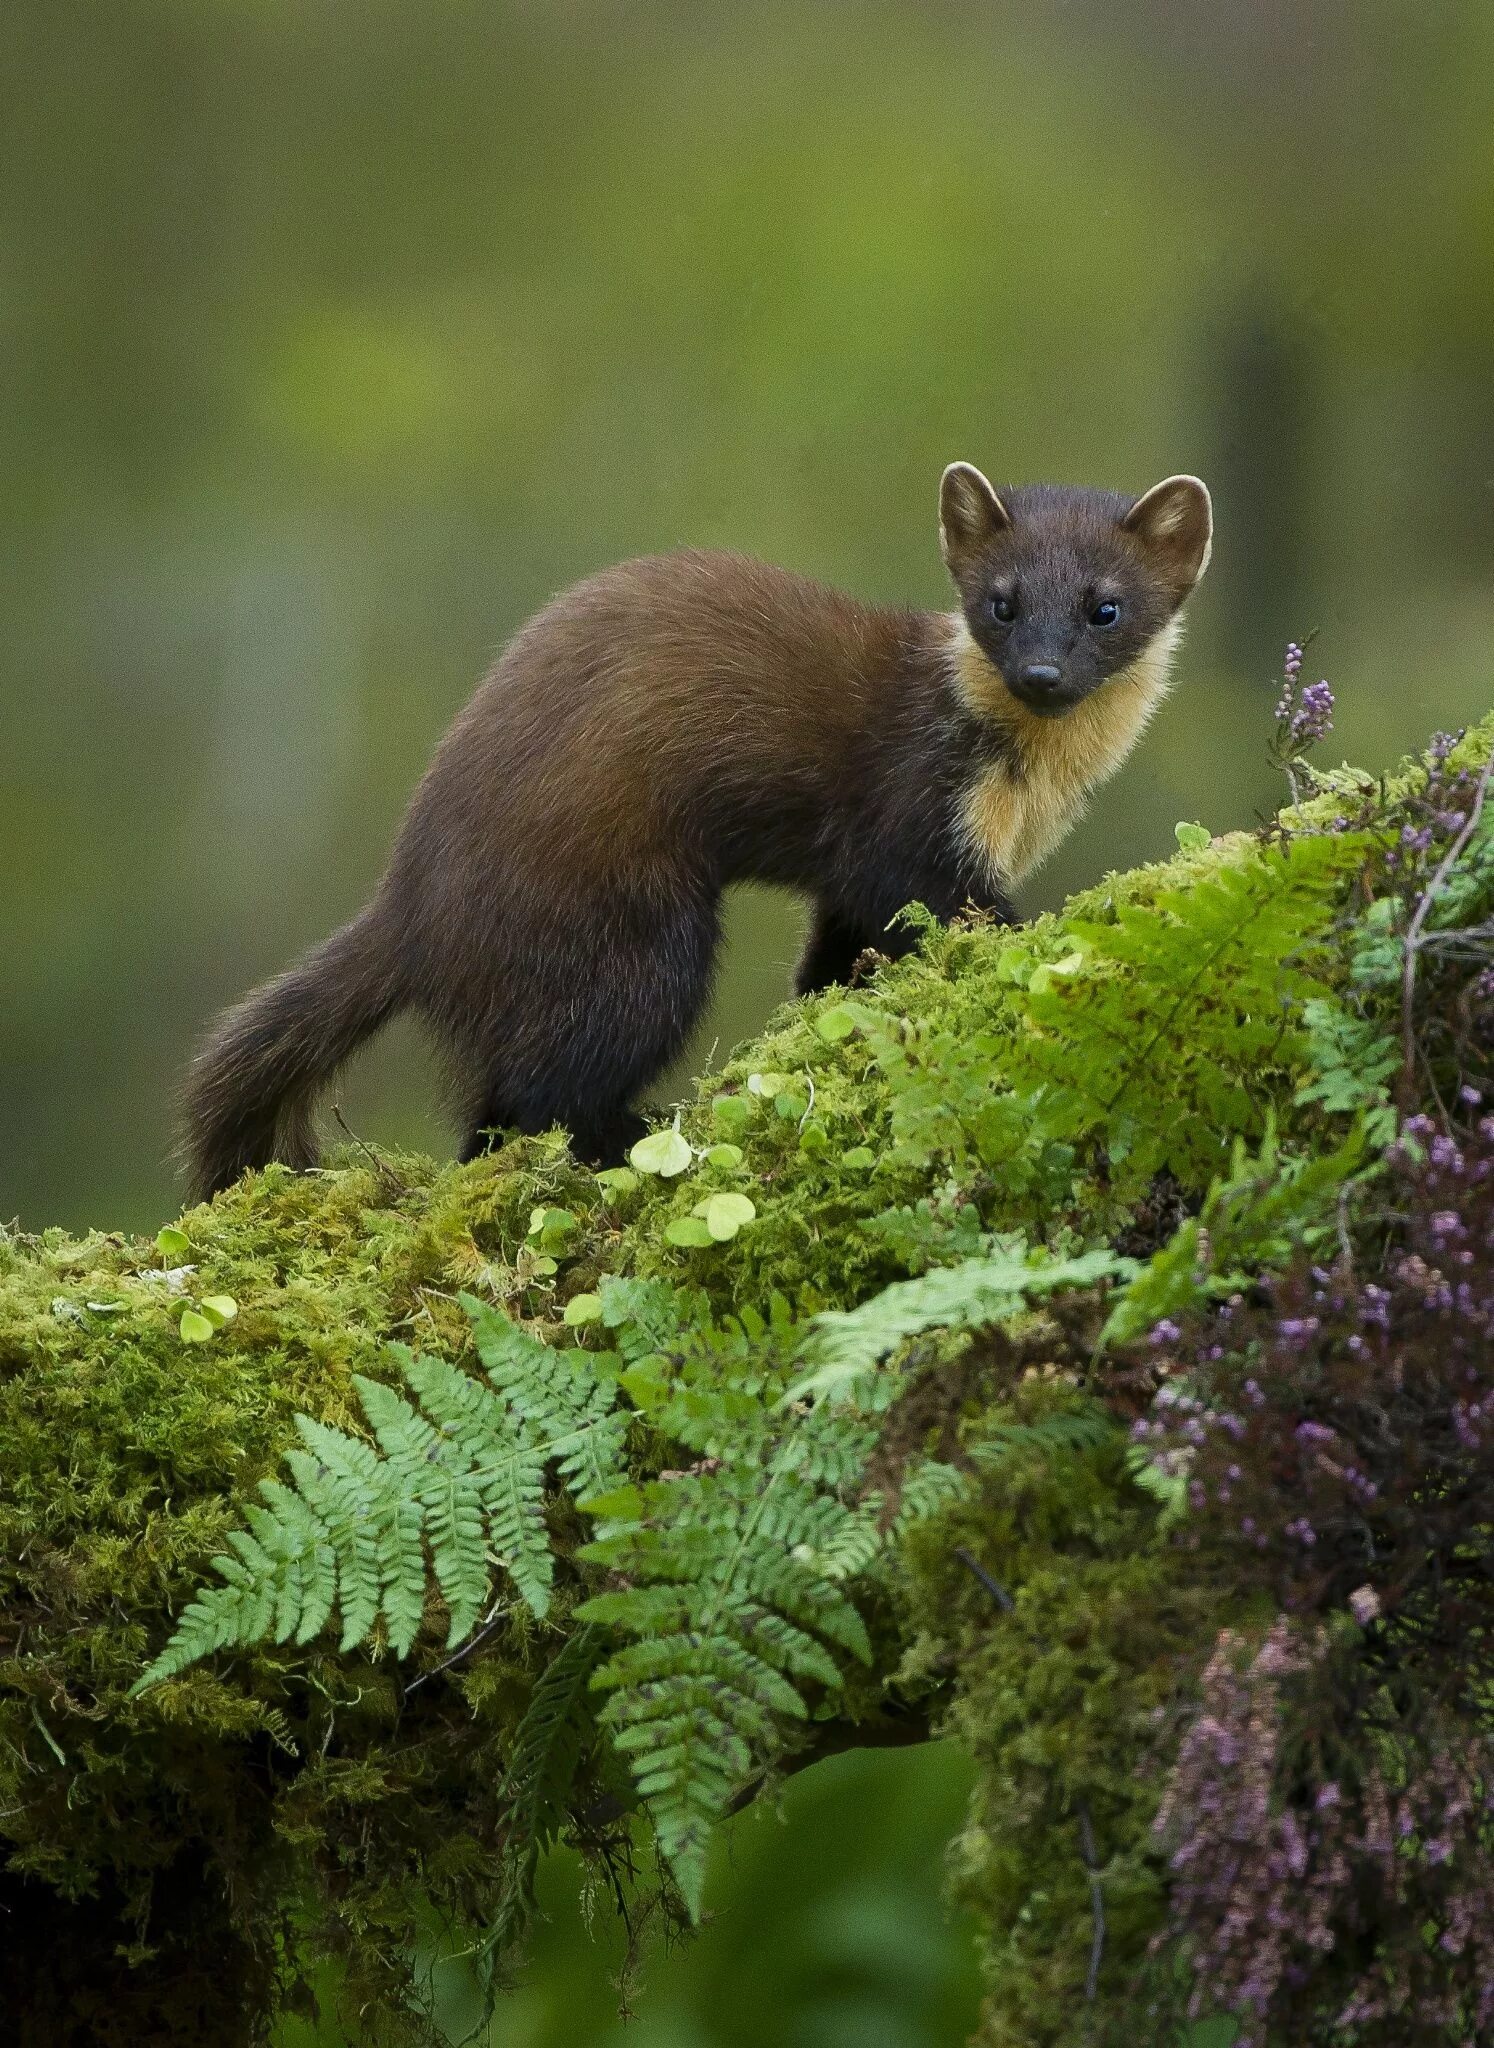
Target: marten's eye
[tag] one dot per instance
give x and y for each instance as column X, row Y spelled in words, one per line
column 1003, row 608
column 1106, row 613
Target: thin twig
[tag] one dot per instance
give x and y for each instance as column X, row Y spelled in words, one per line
column 380, row 1166
column 1097, row 1898
column 1419, row 918
column 997, row 1591
column 837, row 1737
column 495, row 1617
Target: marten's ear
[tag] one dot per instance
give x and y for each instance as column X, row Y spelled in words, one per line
column 1175, row 524
column 969, row 514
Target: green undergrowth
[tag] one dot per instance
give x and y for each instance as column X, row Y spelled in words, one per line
column 611, row 1499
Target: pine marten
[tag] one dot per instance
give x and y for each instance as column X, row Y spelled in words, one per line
column 552, row 906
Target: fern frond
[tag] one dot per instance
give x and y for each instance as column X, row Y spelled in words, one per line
column 541, row 1771
column 339, row 1476
column 1070, row 1429
column 730, row 1611
column 845, row 1347
column 452, row 1478
column 926, row 1490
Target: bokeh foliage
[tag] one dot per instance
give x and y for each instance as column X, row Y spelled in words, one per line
column 337, row 336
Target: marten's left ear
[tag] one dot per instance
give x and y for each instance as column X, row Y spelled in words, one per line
column 969, row 514
column 1175, row 524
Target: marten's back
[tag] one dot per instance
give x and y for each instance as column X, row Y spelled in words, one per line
column 697, row 694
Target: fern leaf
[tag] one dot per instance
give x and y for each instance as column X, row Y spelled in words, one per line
column 713, row 1709
column 784, row 1586
column 845, row 1550
column 470, row 1425
column 211, row 1621
column 450, row 1478
column 845, row 1346
column 791, row 1648
column 690, row 1656
column 340, row 1480
column 289, row 1531
column 1082, row 1429
column 926, row 1490
column 541, row 1769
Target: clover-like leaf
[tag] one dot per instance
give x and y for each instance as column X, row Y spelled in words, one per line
column 663, row 1152
column 689, row 1230
column 731, row 1113
column 195, row 1327
column 726, row 1214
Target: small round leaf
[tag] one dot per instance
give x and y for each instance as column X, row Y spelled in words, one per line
column 219, row 1308
column 583, row 1308
column 172, row 1243
column 663, row 1152
column 691, row 1230
column 731, row 1113
column 837, row 1023
column 195, row 1327
column 726, row 1214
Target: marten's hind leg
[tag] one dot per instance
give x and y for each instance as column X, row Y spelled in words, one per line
column 593, row 1016
column 834, row 945
column 602, row 1138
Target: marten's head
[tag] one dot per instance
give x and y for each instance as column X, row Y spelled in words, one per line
column 1064, row 588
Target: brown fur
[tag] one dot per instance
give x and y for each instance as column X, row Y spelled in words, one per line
column 661, row 730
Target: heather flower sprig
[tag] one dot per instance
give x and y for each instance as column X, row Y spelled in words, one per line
column 1304, row 716
column 1329, row 1817
column 1286, row 1864
column 1306, row 1437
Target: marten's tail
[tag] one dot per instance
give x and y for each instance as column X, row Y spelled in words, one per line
column 251, row 1087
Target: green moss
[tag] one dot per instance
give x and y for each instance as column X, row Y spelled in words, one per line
column 296, row 1801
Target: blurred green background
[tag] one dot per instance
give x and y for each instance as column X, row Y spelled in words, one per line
column 337, row 334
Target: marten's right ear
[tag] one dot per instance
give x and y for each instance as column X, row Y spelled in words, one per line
column 970, row 513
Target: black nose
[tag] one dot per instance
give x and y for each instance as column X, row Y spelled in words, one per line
column 1039, row 675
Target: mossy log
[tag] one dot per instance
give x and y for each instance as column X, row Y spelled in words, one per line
column 177, row 1859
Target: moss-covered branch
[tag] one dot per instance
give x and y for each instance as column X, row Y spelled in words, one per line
column 855, row 1365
